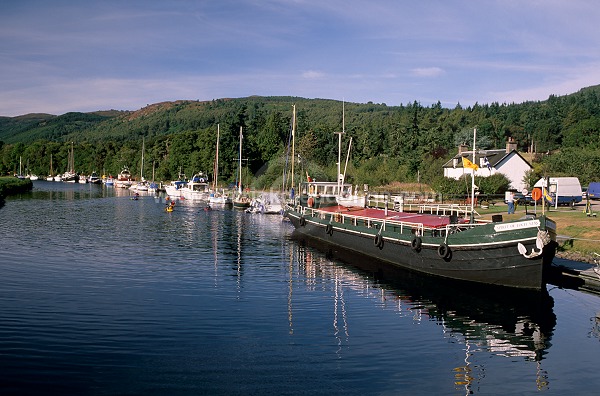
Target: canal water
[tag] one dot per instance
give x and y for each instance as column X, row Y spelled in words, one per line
column 105, row 295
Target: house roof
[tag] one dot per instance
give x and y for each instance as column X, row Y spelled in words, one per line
column 495, row 157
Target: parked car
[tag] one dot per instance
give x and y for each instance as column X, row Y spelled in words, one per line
column 524, row 199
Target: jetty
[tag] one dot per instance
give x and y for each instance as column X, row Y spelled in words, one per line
column 575, row 275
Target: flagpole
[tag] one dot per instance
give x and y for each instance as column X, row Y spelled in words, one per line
column 473, row 175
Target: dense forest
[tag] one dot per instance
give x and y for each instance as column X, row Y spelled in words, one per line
column 406, row 144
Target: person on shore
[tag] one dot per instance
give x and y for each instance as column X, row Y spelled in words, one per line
column 510, row 201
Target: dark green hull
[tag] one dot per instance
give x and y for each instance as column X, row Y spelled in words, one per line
column 487, row 253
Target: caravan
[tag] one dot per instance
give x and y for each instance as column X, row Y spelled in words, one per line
column 561, row 190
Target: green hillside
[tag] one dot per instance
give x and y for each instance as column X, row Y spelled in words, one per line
column 389, row 143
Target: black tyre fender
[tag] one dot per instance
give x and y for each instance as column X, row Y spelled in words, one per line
column 443, row 250
column 302, row 221
column 415, row 243
column 378, row 241
column 329, row 229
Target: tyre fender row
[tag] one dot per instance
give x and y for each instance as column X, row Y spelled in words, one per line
column 443, row 250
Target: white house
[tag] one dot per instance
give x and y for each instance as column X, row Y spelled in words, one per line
column 507, row 162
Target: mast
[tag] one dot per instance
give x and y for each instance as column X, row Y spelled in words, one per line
column 347, row 158
column 142, row 170
column 240, row 164
column 72, row 159
column 217, row 160
column 339, row 161
column 473, row 175
column 293, row 141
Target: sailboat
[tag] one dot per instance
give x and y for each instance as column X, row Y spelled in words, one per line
column 20, row 175
column 153, row 186
column 51, row 175
column 241, row 201
column 142, row 185
column 346, row 197
column 215, row 197
column 70, row 176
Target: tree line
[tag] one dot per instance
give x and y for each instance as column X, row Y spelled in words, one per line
column 406, row 143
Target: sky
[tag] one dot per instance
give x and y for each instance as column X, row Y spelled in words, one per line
column 61, row 56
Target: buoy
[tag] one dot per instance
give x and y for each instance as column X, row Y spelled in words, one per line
column 310, row 202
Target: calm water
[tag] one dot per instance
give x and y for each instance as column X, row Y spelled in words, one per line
column 104, row 295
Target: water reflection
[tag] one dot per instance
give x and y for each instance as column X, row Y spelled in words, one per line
column 484, row 320
column 595, row 326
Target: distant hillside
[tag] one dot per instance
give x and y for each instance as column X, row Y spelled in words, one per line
column 390, row 144
column 31, row 127
column 179, row 116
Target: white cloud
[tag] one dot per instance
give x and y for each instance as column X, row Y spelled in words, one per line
column 312, row 75
column 427, row 72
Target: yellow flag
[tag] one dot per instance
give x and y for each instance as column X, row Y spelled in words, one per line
column 469, row 164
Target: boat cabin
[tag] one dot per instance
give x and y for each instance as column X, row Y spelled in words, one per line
column 322, row 194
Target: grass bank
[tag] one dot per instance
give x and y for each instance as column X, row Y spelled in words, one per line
column 12, row 185
column 578, row 233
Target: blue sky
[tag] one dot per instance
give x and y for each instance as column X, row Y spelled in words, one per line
column 60, row 56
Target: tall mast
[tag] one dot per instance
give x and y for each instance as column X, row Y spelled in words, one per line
column 142, row 169
column 293, row 142
column 339, row 161
column 217, row 159
column 473, row 174
column 240, row 164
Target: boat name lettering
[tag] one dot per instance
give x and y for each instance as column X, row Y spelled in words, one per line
column 516, row 226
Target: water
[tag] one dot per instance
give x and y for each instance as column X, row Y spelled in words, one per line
column 104, row 295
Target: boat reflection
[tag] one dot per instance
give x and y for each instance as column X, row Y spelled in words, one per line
column 508, row 323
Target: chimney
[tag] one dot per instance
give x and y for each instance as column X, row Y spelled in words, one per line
column 511, row 145
column 462, row 148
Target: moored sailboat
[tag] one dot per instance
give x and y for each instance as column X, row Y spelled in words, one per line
column 50, row 176
column 241, row 201
column 70, row 176
column 215, row 196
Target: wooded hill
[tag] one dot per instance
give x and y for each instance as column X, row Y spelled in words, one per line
column 406, row 143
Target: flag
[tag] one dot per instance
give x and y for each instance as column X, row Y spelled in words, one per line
column 469, row 164
column 487, row 163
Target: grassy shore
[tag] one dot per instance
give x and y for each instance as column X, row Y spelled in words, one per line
column 578, row 233
column 12, row 185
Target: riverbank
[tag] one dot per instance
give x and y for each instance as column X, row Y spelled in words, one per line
column 578, row 235
column 13, row 185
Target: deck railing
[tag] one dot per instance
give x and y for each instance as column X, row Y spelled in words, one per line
column 394, row 225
